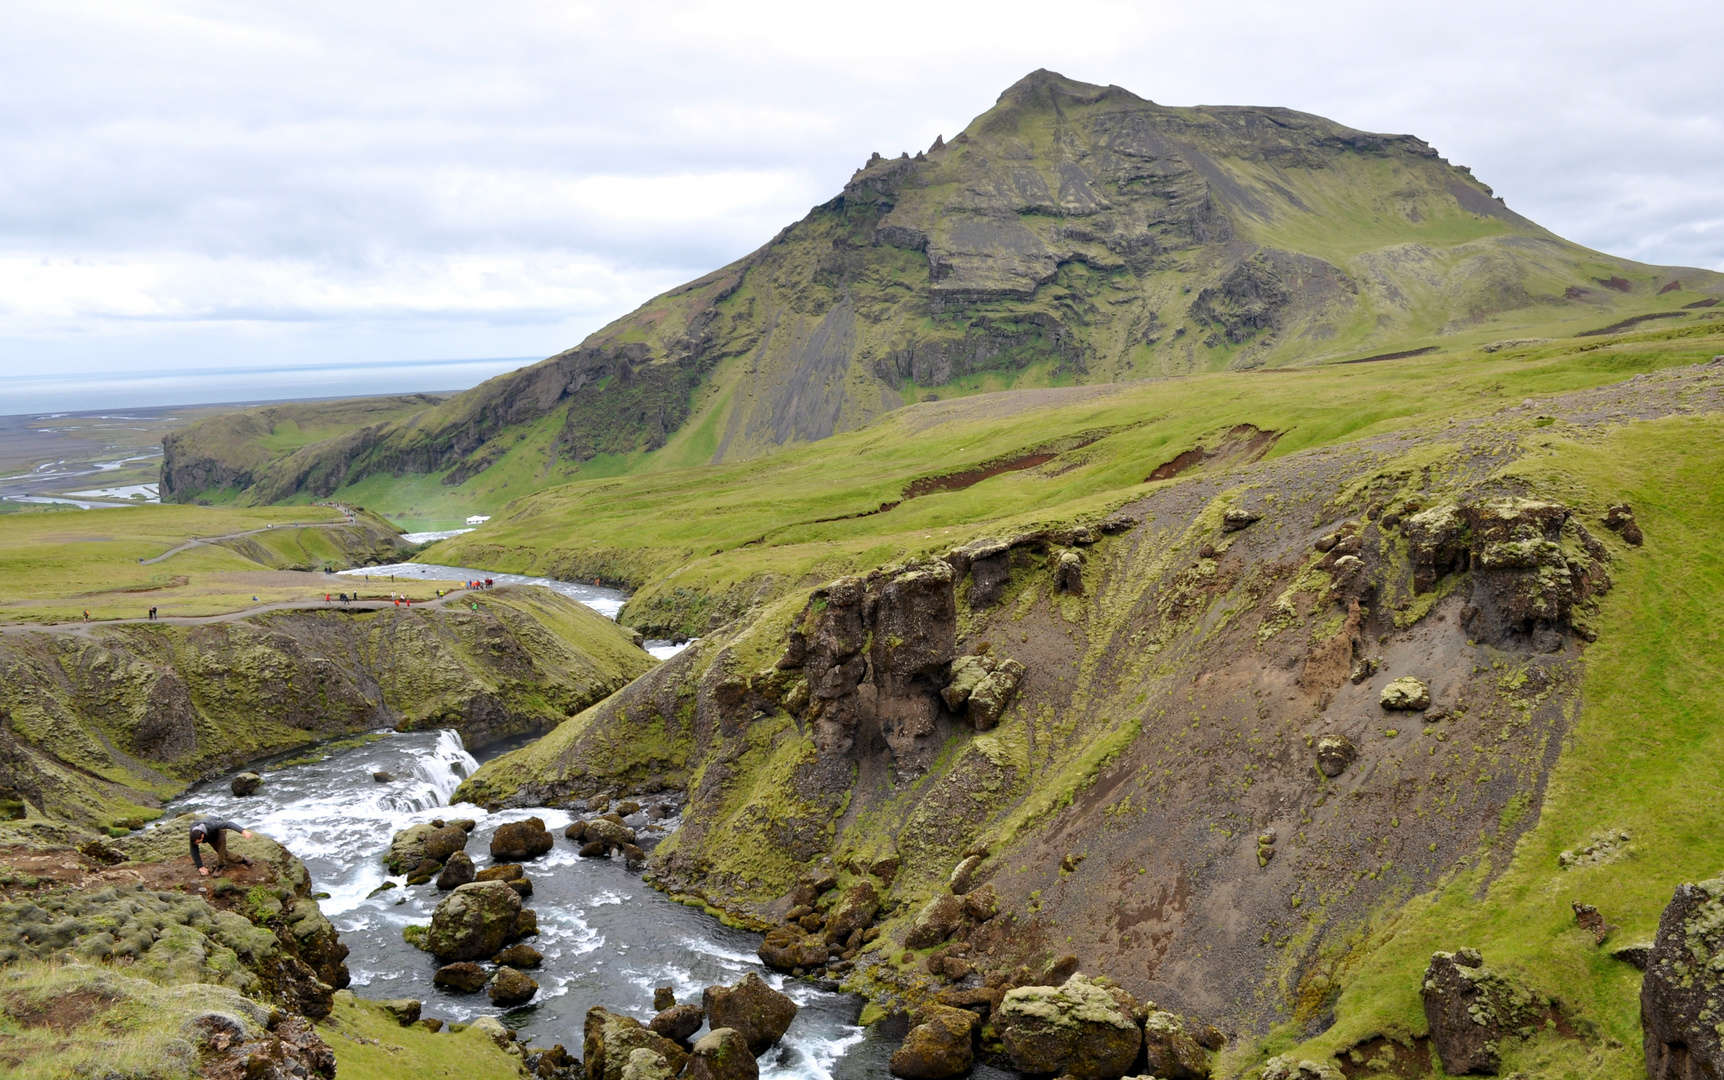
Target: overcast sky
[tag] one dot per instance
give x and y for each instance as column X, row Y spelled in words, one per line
column 189, row 185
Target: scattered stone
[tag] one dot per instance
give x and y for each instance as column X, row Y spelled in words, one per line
column 721, row 1054
column 759, row 1013
column 473, row 921
column 1068, row 573
column 627, row 807
column 1077, row 1029
column 678, row 1022
column 663, row 998
column 1603, row 847
column 1363, row 668
column 1116, row 524
column 610, row 1038
column 457, row 871
column 963, row 877
column 982, row 903
column 1682, row 996
column 853, row 912
column 596, row 849
column 633, row 856
column 786, row 948
column 464, row 976
column 1235, row 519
column 519, row 956
column 404, row 1011
column 510, row 987
column 937, row 921
column 519, row 841
column 993, row 694
column 1334, row 754
column 1620, row 520
column 576, row 831
column 1471, row 1009
column 1406, row 693
column 431, row 1024
column 246, row 783
column 938, row 1046
column 1587, row 918
column 382, row 777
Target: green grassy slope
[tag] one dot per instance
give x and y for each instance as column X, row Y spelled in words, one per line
column 700, row 541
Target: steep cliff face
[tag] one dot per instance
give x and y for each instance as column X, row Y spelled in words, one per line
column 1197, row 739
column 1073, row 233
column 101, row 728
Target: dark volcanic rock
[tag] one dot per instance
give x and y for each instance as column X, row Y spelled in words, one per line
column 519, row 956
column 510, row 987
column 1471, row 1010
column 938, row 1046
column 463, row 975
column 442, row 844
column 678, row 1022
column 1334, row 754
column 757, row 1011
column 1682, row 996
column 457, row 871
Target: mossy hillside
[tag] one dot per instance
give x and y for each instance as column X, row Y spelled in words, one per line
column 106, row 726
column 713, row 541
column 1167, row 721
column 370, row 1045
column 1073, row 234
column 1644, row 743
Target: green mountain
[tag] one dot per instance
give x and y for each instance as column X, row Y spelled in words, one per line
column 1072, row 234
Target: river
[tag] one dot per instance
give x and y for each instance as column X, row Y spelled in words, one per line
column 608, row 938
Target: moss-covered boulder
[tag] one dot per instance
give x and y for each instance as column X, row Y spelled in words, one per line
column 937, row 921
column 1171, row 1051
column 458, row 871
column 786, row 948
column 246, row 783
column 1078, row 1029
column 1682, row 996
column 518, row 841
column 854, row 911
column 721, row 1054
column 644, row 1064
column 755, row 1010
column 1406, row 693
column 407, row 848
column 940, row 1045
column 473, row 922
column 510, row 987
column 609, row 1039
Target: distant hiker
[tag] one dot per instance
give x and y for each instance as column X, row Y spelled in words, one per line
column 152, row 613
column 326, row 598
column 487, row 583
column 213, row 832
column 86, row 614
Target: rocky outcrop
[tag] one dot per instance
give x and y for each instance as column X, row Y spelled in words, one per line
column 938, row 1045
column 1471, row 1010
column 1077, row 1029
column 474, row 921
column 1682, row 996
column 753, row 1009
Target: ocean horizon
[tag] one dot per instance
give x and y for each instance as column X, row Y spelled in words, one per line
column 25, row 395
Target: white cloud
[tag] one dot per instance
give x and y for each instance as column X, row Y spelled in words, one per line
column 196, row 178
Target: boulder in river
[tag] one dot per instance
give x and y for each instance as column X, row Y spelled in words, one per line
column 407, row 848
column 510, row 987
column 464, row 976
column 663, row 998
column 457, row 871
column 246, row 783
column 1077, row 1029
column 526, row 923
column 505, row 872
column 519, row 956
column 678, row 1022
column 605, row 831
column 721, row 1054
column 519, row 841
column 1682, row 996
column 757, row 1011
column 445, row 842
column 474, row 921
column 382, row 777
column 938, row 1046
column 611, row 1037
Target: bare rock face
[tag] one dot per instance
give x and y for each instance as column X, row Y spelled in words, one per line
column 610, row 1038
column 1471, row 1009
column 1682, row 996
column 907, row 621
column 520, row 840
column 940, row 1045
column 474, row 921
column 721, row 1054
column 1078, row 1029
column 755, row 1010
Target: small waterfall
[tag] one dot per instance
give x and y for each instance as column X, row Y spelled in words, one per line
column 438, row 773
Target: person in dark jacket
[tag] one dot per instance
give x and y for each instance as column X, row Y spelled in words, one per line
column 214, row 832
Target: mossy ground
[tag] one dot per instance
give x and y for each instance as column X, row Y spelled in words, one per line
column 370, row 1045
